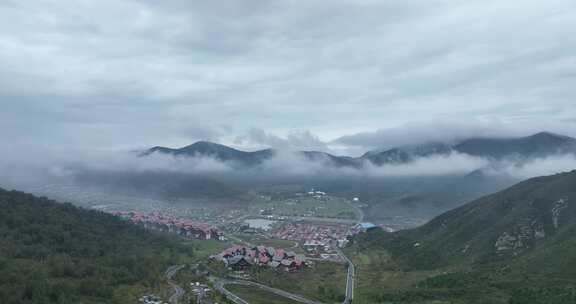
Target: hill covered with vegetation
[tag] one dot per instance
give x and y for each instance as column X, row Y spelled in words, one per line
column 59, row 253
column 515, row 246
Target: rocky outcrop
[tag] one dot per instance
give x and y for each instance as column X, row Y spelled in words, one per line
column 538, row 228
column 527, row 231
column 506, row 242
column 521, row 237
column 557, row 211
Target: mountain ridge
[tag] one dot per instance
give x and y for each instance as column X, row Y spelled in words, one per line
column 228, row 154
column 541, row 144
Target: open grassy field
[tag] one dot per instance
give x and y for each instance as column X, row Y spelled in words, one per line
column 257, row 239
column 380, row 280
column 202, row 249
column 324, row 282
column 376, row 267
column 330, row 207
column 258, row 296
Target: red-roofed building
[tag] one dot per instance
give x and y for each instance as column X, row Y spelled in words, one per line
column 263, row 259
column 184, row 227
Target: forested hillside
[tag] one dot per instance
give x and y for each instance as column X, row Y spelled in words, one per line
column 58, row 253
column 515, row 246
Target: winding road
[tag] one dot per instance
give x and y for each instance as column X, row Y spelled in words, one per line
column 178, row 292
column 219, row 285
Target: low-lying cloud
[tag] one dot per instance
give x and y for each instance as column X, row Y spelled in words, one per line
column 446, row 131
column 295, row 140
column 454, row 163
column 537, row 167
column 33, row 167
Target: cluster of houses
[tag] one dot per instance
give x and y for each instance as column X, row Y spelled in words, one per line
column 242, row 257
column 164, row 223
column 317, row 194
column 314, row 235
column 320, row 195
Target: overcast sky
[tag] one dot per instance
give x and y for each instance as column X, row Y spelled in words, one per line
column 124, row 73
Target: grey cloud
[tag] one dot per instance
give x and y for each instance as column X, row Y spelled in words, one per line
column 135, row 73
column 454, row 163
column 196, row 132
column 537, row 167
column 295, row 140
column 449, row 130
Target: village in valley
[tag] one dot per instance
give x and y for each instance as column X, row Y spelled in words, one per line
column 281, row 242
column 297, row 233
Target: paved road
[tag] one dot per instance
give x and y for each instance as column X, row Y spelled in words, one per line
column 359, row 213
column 201, row 295
column 178, row 291
column 349, row 277
column 220, row 285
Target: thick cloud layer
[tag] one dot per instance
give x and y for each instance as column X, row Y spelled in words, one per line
column 126, row 73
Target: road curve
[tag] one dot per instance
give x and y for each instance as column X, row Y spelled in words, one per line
column 220, row 285
column 178, row 292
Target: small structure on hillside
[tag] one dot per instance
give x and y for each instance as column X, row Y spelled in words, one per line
column 365, row 227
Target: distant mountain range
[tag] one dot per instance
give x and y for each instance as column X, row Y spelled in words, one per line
column 521, row 148
column 228, row 154
column 386, row 197
column 216, row 151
